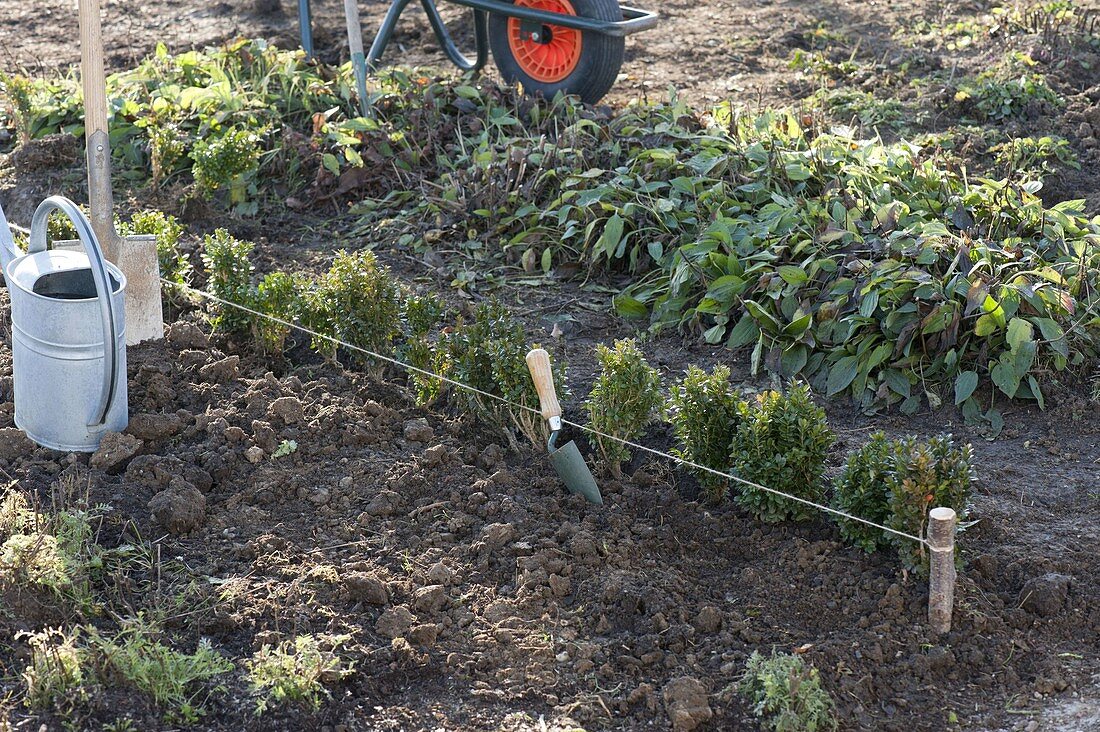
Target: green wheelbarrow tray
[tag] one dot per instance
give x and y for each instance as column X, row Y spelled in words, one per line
column 534, row 42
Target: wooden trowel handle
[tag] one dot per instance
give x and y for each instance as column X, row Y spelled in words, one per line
column 538, row 363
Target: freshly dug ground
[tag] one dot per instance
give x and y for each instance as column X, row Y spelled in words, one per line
column 479, row 595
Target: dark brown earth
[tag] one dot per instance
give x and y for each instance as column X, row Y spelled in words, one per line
column 519, row 604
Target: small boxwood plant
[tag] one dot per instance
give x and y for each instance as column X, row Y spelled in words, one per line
column 704, row 411
column 488, row 353
column 229, row 278
column 782, row 444
column 174, row 266
column 278, row 294
column 423, row 315
column 786, row 695
column 926, row 475
column 625, row 398
column 228, row 161
column 862, row 488
column 357, row 301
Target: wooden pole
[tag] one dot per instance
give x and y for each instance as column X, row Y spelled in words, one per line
column 941, row 581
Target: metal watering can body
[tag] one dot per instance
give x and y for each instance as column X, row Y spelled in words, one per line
column 68, row 335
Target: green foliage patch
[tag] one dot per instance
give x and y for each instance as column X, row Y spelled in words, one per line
column 705, row 413
column 624, row 400
column 786, row 695
column 782, row 443
column 296, row 670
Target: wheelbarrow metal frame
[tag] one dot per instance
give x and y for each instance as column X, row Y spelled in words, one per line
column 634, row 20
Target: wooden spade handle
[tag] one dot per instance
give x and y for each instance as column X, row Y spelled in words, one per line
column 538, row 363
column 91, row 68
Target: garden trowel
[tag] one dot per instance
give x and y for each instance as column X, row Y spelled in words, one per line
column 567, row 460
column 136, row 256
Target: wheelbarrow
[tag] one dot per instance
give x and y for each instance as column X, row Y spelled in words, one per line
column 547, row 46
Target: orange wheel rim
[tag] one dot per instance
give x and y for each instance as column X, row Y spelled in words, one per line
column 551, row 61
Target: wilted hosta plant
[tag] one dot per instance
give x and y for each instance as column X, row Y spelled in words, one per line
column 862, row 490
column 228, row 278
column 705, row 416
column 624, row 400
column 782, row 444
column 926, row 475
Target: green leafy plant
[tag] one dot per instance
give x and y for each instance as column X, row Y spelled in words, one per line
column 286, row 447
column 58, row 668
column 786, row 695
column 488, row 353
column 1034, row 158
column 228, row 161
column 926, row 475
column 228, row 278
column 296, row 671
column 38, row 559
column 782, row 444
column 422, row 315
column 862, row 489
column 998, row 94
column 705, row 416
column 20, row 91
column 174, row 265
column 625, row 398
column 278, row 295
column 357, row 301
column 168, row 676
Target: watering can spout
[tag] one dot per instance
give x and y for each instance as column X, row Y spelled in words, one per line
column 7, row 245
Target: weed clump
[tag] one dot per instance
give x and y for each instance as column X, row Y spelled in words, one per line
column 786, row 695
column 228, row 278
column 57, row 670
column 296, row 671
column 705, row 415
column 994, row 96
column 625, row 398
column 228, row 161
column 38, row 559
column 926, row 475
column 168, row 676
column 782, row 444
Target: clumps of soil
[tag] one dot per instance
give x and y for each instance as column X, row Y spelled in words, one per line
column 475, row 589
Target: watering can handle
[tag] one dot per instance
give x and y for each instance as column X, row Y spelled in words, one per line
column 102, row 285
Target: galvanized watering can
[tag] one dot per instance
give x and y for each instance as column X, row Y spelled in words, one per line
column 68, row 335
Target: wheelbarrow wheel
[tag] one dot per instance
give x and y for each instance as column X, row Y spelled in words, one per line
column 576, row 62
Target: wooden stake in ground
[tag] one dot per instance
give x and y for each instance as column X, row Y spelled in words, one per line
column 941, row 581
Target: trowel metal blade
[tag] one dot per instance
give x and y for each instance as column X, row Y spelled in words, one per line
column 574, row 472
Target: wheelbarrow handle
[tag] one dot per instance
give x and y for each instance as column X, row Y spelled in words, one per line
column 538, row 363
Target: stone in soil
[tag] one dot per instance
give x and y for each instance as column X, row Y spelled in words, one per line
column 156, row 471
column 154, row 427
column 1046, row 595
column 395, row 622
column 180, row 507
column 14, row 444
column 114, row 450
column 418, row 430
column 385, row 503
column 223, row 371
column 185, row 335
column 686, row 703
column 367, row 588
column 288, row 409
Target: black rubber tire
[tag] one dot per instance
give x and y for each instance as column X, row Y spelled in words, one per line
column 598, row 66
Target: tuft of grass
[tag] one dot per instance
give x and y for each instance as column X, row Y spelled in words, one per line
column 625, row 398
column 786, row 695
column 296, row 671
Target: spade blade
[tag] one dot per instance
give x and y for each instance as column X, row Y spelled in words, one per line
column 574, row 472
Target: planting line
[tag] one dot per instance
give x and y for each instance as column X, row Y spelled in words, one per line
column 516, row 405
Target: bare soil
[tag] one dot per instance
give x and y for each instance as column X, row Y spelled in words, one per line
column 520, row 607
